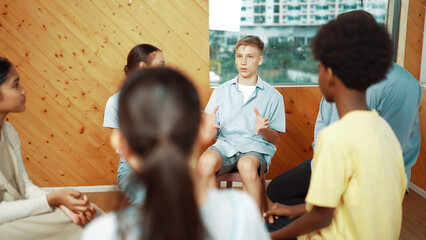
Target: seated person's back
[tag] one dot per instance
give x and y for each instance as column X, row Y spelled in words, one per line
column 161, row 131
column 358, row 179
column 367, row 180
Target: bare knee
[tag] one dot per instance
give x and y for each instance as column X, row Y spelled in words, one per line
column 209, row 163
column 247, row 167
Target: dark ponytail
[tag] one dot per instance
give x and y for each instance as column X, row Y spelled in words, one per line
column 5, row 67
column 174, row 210
column 159, row 114
column 139, row 53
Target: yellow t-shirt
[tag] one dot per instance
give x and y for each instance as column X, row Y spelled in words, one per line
column 358, row 170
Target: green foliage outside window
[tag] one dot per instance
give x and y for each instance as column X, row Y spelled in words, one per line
column 279, row 57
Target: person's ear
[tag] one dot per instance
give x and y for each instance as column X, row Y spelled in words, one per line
column 331, row 78
column 260, row 60
column 142, row 65
column 120, row 143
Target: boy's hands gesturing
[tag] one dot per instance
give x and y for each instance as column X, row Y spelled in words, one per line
column 211, row 118
column 260, row 122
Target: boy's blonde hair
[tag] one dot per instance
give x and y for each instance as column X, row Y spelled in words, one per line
column 252, row 41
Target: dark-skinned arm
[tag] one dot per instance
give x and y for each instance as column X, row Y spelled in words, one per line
column 279, row 210
column 317, row 218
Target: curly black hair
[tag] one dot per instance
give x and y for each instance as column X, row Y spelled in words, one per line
column 356, row 48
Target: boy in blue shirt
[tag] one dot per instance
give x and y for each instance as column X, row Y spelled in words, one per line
column 247, row 115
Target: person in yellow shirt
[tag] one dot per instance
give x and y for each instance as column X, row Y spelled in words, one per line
column 358, row 180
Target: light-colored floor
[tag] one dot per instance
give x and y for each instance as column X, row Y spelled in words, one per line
column 413, row 218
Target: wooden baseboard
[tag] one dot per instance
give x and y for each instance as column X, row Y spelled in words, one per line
column 113, row 188
column 417, row 189
column 98, row 188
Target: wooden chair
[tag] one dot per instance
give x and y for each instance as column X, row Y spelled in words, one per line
column 235, row 177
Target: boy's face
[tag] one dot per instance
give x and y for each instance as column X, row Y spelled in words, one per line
column 247, row 59
column 324, row 76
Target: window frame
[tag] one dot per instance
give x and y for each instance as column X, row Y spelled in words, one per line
column 394, row 32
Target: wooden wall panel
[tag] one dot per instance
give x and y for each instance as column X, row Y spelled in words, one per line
column 70, row 56
column 301, row 110
column 414, row 37
column 412, row 62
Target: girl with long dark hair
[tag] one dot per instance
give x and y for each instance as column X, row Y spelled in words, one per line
column 141, row 56
column 161, row 131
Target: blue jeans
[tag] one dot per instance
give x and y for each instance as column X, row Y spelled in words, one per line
column 129, row 184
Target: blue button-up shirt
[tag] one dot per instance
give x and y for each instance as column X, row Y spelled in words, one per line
column 397, row 100
column 237, row 119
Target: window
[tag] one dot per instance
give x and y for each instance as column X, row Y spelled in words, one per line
column 259, row 19
column 231, row 41
column 243, row 8
column 287, row 33
column 276, row 19
column 273, row 40
column 276, row 8
column 259, row 9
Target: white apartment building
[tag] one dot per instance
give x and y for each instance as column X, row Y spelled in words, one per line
column 304, row 12
column 295, row 20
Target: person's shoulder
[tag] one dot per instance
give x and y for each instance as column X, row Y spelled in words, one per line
column 336, row 131
column 11, row 131
column 401, row 77
column 351, row 124
column 226, row 84
column 102, row 227
column 9, row 127
column 231, row 193
column 234, row 213
column 112, row 102
column 272, row 91
column 114, row 98
column 231, row 199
